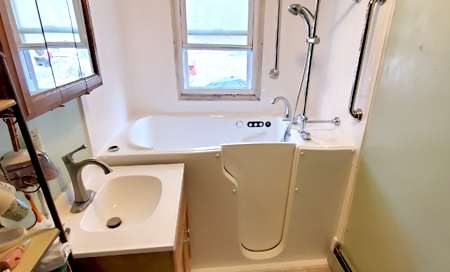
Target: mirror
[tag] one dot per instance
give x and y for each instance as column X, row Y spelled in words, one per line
column 52, row 42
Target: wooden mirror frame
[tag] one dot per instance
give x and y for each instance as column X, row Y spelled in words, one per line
column 35, row 105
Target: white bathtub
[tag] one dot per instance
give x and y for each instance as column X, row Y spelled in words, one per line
column 166, row 133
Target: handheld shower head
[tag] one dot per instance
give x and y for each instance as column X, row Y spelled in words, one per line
column 297, row 9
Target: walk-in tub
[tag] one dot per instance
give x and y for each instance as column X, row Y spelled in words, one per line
column 319, row 172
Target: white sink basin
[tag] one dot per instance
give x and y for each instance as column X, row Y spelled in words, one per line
column 131, row 198
column 146, row 198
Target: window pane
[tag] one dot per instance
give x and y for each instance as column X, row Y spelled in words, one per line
column 217, row 22
column 216, row 69
column 85, row 62
column 66, row 67
column 37, row 68
column 26, row 20
column 56, row 22
column 84, row 56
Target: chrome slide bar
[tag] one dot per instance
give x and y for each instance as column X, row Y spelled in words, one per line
column 274, row 73
column 312, row 40
column 358, row 113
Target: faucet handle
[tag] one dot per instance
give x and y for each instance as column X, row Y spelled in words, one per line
column 68, row 158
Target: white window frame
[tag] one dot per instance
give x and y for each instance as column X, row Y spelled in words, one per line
column 254, row 62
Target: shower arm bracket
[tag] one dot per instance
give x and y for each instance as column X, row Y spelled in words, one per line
column 381, row 2
column 313, row 40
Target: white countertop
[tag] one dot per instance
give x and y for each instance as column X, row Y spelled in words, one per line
column 155, row 234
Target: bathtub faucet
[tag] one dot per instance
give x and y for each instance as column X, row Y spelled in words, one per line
column 287, row 110
column 287, row 132
column 305, row 135
column 83, row 197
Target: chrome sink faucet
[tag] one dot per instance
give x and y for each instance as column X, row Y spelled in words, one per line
column 83, row 197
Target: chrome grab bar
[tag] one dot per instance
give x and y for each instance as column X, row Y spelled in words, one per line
column 358, row 113
column 274, row 73
column 335, row 121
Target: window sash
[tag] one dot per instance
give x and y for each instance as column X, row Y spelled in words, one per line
column 184, row 32
column 225, row 47
column 77, row 28
column 210, row 89
column 31, row 74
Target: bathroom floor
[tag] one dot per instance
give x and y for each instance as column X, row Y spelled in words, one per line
column 317, row 269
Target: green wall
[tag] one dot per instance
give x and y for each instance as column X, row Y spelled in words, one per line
column 61, row 131
column 400, row 214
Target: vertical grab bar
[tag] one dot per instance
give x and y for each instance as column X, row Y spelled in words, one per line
column 274, row 73
column 358, row 113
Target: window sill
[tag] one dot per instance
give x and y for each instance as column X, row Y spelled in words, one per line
column 209, row 97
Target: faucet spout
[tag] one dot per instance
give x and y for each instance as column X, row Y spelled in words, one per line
column 287, row 109
column 106, row 168
column 83, row 197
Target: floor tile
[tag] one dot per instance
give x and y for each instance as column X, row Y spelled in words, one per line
column 319, row 269
column 315, row 269
column 272, row 271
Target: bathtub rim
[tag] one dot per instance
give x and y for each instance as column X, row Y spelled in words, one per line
column 321, row 136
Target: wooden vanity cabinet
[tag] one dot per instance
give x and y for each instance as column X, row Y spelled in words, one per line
column 182, row 252
column 43, row 58
column 178, row 260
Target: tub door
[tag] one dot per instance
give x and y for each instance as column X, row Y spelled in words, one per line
column 261, row 173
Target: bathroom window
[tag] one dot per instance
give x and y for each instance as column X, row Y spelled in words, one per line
column 218, row 48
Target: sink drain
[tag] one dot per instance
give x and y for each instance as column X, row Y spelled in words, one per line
column 114, row 222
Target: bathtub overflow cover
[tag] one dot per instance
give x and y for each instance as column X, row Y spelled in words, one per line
column 114, row 222
column 113, row 148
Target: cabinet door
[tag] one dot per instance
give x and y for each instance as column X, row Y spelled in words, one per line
column 50, row 51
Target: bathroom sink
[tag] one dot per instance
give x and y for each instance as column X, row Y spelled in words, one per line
column 144, row 201
column 132, row 199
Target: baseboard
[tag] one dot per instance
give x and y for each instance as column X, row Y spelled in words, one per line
column 339, row 260
column 266, row 266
